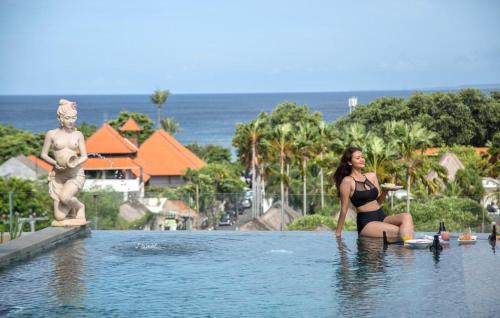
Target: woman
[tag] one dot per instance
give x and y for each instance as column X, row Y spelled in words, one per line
column 364, row 192
column 68, row 177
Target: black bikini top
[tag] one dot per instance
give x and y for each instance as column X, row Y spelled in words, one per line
column 364, row 192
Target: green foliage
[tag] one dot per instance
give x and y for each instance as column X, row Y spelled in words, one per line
column 495, row 95
column 470, row 183
column 159, row 97
column 105, row 204
column 170, row 125
column 494, row 144
column 375, row 114
column 293, row 114
column 211, row 153
column 15, row 142
column 457, row 213
column 313, row 222
column 466, row 117
column 87, row 129
column 28, row 197
column 143, row 120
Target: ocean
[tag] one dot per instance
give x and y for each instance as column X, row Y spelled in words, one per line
column 203, row 118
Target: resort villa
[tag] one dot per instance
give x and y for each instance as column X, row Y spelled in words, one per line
column 125, row 166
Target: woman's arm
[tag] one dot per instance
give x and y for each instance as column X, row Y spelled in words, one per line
column 345, row 191
column 45, row 150
column 83, row 149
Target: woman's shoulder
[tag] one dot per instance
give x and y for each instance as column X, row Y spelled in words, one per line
column 372, row 176
column 52, row 132
column 347, row 180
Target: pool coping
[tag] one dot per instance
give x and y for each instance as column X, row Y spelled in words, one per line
column 41, row 241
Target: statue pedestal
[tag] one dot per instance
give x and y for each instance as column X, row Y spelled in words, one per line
column 69, row 222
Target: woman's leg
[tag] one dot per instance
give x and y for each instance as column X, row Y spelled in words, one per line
column 60, row 210
column 405, row 223
column 68, row 198
column 376, row 229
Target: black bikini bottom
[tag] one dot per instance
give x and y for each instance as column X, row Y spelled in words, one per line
column 363, row 218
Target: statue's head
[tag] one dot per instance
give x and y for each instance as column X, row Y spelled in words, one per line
column 66, row 113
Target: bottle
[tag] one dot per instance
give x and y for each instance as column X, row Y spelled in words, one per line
column 436, row 246
column 441, row 224
column 493, row 235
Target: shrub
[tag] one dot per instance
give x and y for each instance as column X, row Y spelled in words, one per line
column 457, row 213
column 312, row 222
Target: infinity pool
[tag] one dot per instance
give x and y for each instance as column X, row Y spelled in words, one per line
column 251, row 274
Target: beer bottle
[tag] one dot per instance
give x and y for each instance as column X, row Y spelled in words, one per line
column 493, row 235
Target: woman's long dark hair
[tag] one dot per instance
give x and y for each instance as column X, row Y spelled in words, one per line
column 344, row 169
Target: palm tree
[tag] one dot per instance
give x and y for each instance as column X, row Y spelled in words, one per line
column 281, row 145
column 324, row 138
column 248, row 139
column 170, row 125
column 303, row 146
column 352, row 135
column 410, row 138
column 159, row 97
column 377, row 152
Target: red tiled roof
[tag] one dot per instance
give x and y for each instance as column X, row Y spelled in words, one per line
column 480, row 150
column 163, row 155
column 41, row 163
column 106, row 140
column 131, row 125
column 180, row 204
column 432, row 151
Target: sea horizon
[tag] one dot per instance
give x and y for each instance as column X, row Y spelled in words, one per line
column 486, row 86
column 204, row 118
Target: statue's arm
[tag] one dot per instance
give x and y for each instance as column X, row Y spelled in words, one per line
column 83, row 149
column 45, row 150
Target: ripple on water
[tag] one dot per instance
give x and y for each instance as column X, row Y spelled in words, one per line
column 157, row 248
column 280, row 251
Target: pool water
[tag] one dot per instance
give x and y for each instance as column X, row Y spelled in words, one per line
column 251, row 274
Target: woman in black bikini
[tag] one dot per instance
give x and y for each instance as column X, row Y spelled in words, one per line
column 365, row 195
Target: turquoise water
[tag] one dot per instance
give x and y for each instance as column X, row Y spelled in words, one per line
column 250, row 274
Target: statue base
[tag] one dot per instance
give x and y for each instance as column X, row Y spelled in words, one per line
column 69, row 222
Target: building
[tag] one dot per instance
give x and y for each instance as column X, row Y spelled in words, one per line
column 23, row 167
column 165, row 160
column 112, row 163
column 125, row 166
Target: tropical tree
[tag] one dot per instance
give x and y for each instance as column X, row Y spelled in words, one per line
column 16, row 142
column 324, row 138
column 304, row 141
column 280, row 144
column 377, row 152
column 410, row 138
column 349, row 135
column 248, row 140
column 159, row 97
column 170, row 125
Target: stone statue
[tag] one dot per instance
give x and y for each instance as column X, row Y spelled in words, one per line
column 67, row 178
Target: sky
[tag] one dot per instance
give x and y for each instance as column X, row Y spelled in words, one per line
column 216, row 46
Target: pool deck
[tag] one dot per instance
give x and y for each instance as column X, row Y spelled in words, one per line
column 27, row 246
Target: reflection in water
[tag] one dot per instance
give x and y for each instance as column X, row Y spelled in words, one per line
column 493, row 244
column 362, row 276
column 68, row 282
